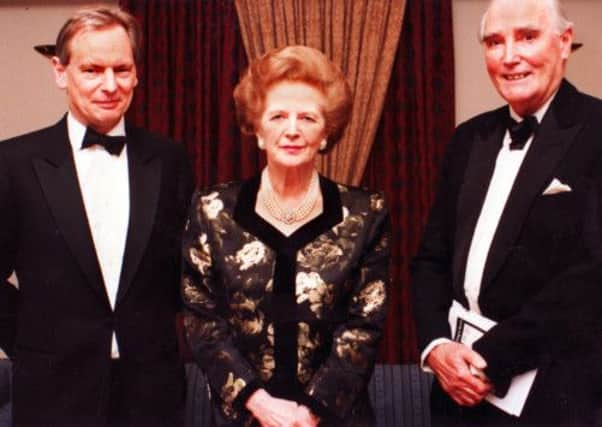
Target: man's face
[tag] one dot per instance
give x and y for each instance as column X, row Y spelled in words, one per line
column 100, row 77
column 524, row 53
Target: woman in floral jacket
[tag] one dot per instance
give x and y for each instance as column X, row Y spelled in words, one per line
column 285, row 275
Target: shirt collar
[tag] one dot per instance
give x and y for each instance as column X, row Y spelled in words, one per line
column 539, row 113
column 77, row 131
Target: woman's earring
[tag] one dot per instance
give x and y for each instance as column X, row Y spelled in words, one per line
column 260, row 143
column 323, row 144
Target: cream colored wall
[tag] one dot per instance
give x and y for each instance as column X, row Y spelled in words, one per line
column 474, row 92
column 30, row 99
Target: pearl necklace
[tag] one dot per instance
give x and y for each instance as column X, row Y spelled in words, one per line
column 289, row 216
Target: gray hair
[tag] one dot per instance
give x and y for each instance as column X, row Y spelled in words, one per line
column 562, row 22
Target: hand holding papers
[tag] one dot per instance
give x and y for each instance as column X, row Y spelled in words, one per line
column 451, row 362
column 467, row 327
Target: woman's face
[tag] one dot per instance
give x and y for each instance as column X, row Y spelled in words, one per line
column 292, row 124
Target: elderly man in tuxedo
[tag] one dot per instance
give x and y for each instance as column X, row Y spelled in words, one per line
column 91, row 212
column 514, row 234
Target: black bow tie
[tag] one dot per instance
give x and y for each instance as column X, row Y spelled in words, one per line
column 520, row 132
column 113, row 144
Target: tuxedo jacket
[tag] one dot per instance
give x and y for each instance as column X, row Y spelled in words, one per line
column 8, row 305
column 64, row 318
column 541, row 280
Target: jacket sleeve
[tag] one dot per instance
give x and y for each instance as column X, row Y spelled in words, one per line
column 8, row 243
column 431, row 268
column 337, row 383
column 209, row 335
column 8, row 317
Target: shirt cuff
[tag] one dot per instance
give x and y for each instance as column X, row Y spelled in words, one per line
column 434, row 343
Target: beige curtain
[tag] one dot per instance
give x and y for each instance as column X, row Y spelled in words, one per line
column 360, row 36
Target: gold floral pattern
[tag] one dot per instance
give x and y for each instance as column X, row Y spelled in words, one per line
column 264, row 362
column 382, row 245
column 351, row 226
column 196, row 294
column 229, row 392
column 201, row 258
column 311, row 288
column 340, row 278
column 349, row 346
column 250, row 254
column 241, row 303
column 270, row 336
column 340, row 225
column 377, row 202
column 306, row 347
column 249, row 325
column 212, row 205
column 206, row 331
column 371, row 298
column 345, row 211
column 319, row 254
column 246, row 317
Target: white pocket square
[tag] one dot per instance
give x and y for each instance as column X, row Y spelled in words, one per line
column 556, row 187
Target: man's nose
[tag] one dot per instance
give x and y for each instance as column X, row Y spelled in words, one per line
column 109, row 83
column 510, row 53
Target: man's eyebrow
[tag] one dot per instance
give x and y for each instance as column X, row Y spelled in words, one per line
column 523, row 29
column 488, row 36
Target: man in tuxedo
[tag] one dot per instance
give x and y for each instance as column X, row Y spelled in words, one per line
column 515, row 234
column 91, row 211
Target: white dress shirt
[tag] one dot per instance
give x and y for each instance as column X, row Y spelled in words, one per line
column 507, row 165
column 104, row 184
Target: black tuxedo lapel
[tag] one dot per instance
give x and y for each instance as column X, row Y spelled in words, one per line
column 58, row 179
column 474, row 189
column 558, row 129
column 145, row 178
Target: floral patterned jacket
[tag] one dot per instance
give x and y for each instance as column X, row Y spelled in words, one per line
column 300, row 316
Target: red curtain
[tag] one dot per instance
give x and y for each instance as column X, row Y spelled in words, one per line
column 193, row 57
column 417, row 121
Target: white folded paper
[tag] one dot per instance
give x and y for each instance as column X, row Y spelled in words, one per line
column 467, row 327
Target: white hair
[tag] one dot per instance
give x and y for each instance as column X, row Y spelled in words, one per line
column 562, row 22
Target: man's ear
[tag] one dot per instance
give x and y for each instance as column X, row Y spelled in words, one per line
column 566, row 40
column 60, row 74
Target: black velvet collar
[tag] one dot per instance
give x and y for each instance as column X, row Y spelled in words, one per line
column 246, row 217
